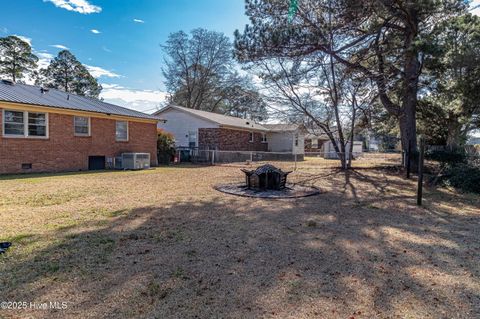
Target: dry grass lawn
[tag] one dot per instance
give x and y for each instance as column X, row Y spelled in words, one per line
column 163, row 244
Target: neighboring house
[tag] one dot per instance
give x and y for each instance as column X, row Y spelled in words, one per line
column 212, row 131
column 314, row 142
column 330, row 153
column 323, row 147
column 473, row 140
column 48, row 130
column 285, row 138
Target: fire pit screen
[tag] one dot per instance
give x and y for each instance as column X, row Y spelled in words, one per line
column 267, row 181
column 266, row 177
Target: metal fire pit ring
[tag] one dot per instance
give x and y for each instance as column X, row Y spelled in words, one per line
column 290, row 191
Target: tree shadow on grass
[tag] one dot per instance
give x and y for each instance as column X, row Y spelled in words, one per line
column 7, row 177
column 319, row 256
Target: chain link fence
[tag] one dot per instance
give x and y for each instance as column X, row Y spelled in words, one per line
column 287, row 161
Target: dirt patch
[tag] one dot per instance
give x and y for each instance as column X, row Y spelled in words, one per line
column 290, row 191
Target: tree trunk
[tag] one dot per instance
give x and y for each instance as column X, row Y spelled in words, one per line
column 454, row 134
column 14, row 78
column 408, row 129
column 352, row 128
column 408, row 125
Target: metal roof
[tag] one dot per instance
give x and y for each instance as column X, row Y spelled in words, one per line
column 33, row 95
column 223, row 120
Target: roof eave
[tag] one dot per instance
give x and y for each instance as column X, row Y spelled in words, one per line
column 53, row 108
column 233, row 127
column 185, row 111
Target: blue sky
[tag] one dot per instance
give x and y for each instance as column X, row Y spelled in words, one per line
column 119, row 40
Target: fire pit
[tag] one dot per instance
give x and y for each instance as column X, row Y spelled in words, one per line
column 267, row 181
column 266, row 177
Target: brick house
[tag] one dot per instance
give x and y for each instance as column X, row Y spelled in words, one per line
column 227, row 139
column 207, row 130
column 48, row 130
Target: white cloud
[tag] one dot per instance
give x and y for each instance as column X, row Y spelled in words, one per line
column 80, row 6
column 43, row 62
column 24, row 38
column 59, row 46
column 475, row 7
column 138, row 21
column 104, row 48
column 3, row 29
column 44, row 59
column 146, row 101
column 44, row 55
column 95, row 31
column 98, row 72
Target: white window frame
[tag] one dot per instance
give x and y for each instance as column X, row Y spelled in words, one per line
column 89, row 127
column 251, row 137
column 116, row 138
column 195, row 134
column 25, row 125
column 264, row 137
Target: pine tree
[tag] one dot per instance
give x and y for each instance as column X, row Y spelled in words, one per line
column 66, row 73
column 16, row 58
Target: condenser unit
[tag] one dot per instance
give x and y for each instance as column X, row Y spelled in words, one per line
column 135, row 160
column 117, row 162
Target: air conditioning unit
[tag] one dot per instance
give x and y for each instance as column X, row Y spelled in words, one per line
column 135, row 160
column 117, row 162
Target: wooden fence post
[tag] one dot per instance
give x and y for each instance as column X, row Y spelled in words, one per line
column 420, row 172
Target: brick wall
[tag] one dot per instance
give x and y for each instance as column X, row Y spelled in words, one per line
column 229, row 140
column 63, row 151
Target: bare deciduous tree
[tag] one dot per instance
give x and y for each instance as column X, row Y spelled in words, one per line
column 201, row 74
column 383, row 40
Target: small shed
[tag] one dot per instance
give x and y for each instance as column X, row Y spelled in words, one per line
column 330, row 153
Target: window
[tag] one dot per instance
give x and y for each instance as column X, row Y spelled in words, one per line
column 121, row 131
column 314, row 142
column 192, row 139
column 13, row 123
column 82, row 125
column 37, row 124
column 25, row 124
column 264, row 138
column 251, row 137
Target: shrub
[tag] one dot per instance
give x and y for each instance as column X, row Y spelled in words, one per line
column 165, row 147
column 463, row 176
column 460, row 170
column 447, row 157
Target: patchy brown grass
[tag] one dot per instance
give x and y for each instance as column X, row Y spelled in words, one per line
column 162, row 243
